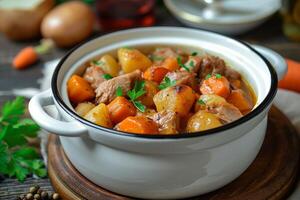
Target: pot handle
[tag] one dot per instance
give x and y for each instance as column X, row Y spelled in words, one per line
column 47, row 122
column 276, row 60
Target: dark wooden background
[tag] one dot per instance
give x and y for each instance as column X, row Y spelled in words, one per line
column 269, row 34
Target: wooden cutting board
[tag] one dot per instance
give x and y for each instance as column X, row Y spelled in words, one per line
column 271, row 176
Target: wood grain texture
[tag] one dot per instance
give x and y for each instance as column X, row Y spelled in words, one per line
column 270, row 176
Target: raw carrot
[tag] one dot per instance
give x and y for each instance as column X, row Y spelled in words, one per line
column 216, row 85
column 79, row 90
column 138, row 125
column 120, row 108
column 239, row 99
column 170, row 63
column 155, row 73
column 24, row 58
column 291, row 80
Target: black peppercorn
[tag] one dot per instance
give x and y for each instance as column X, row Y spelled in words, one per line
column 44, row 195
column 55, row 196
column 39, row 191
column 29, row 196
column 34, row 189
column 37, row 196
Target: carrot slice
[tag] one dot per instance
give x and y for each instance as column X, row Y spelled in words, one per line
column 239, row 99
column 79, row 90
column 24, row 58
column 170, row 63
column 138, row 125
column 155, row 73
column 291, row 80
column 214, row 85
column 120, row 108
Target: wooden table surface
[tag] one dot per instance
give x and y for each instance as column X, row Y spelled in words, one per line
column 269, row 34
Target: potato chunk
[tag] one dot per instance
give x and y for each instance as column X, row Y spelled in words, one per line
column 99, row 115
column 209, row 101
column 201, row 121
column 83, row 108
column 178, row 98
column 110, row 65
column 132, row 59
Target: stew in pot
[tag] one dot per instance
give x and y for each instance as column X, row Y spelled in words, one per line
column 166, row 91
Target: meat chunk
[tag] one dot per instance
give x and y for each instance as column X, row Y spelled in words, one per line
column 227, row 112
column 160, row 54
column 211, row 65
column 106, row 91
column 232, row 74
column 193, row 63
column 183, row 77
column 168, row 122
column 94, row 75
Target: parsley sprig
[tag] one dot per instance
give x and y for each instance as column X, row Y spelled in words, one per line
column 98, row 62
column 135, row 93
column 179, row 61
column 17, row 159
column 107, row 76
column 119, row 91
column 167, row 82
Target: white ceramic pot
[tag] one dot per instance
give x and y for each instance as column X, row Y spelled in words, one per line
column 160, row 166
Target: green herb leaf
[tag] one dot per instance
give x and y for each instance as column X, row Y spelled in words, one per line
column 139, row 106
column 201, row 102
column 127, row 47
column 135, row 93
column 98, row 62
column 26, row 153
column 179, row 61
column 119, row 92
column 167, row 82
column 208, row 76
column 194, row 53
column 107, row 76
column 12, row 110
column 16, row 157
column 218, row 76
column 192, row 64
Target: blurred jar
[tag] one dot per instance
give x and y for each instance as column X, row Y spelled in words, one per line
column 121, row 14
column 291, row 19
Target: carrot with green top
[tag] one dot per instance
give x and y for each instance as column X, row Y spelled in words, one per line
column 30, row 55
column 216, row 84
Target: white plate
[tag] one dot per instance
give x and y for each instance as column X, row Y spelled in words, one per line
column 245, row 15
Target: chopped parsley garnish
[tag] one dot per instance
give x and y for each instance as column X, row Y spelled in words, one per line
column 192, row 64
column 107, row 76
column 208, row 76
column 167, row 82
column 201, row 102
column 179, row 61
column 98, row 62
column 119, row 92
column 135, row 93
column 127, row 47
column 194, row 53
column 218, row 75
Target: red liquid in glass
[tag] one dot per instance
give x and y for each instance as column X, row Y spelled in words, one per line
column 121, row 14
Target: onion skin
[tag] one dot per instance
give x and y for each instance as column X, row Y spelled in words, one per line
column 18, row 24
column 68, row 23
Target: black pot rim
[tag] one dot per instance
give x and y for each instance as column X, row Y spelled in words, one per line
column 263, row 105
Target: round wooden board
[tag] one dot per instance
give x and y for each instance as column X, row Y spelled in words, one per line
column 271, row 176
